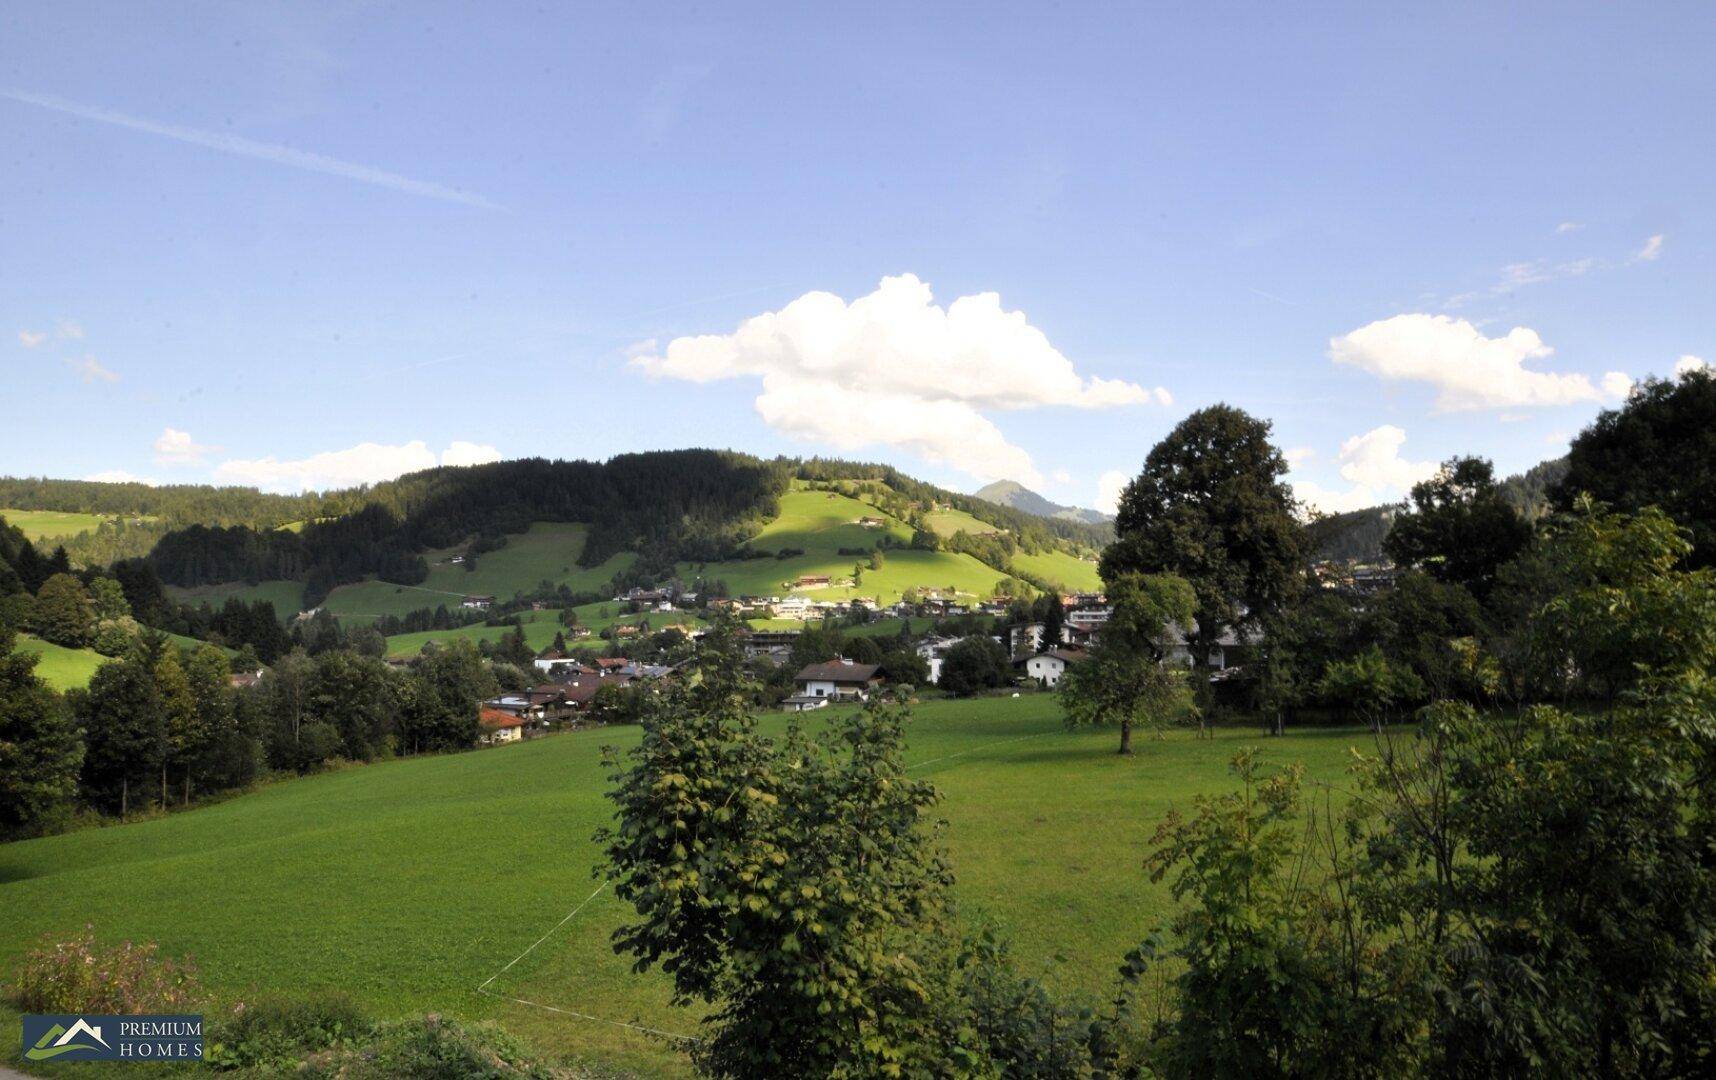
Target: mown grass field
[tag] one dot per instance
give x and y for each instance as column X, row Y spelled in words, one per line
column 547, row 551
column 60, row 667
column 39, row 525
column 946, row 521
column 541, row 626
column 1068, row 571
column 408, row 884
column 65, row 669
column 821, row 523
column 286, row 596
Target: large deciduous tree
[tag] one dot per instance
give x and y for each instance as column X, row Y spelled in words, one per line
column 1659, row 449
column 794, row 885
column 1460, row 529
column 1129, row 679
column 63, row 614
column 1210, row 506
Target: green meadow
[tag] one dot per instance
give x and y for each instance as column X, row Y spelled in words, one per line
column 548, row 551
column 410, row 884
column 820, row 523
column 38, row 525
column 60, row 667
column 945, row 521
column 541, row 626
column 1068, row 571
column 286, row 596
column 66, row 669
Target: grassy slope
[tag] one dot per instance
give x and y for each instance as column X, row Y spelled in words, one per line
column 947, row 521
column 64, row 669
column 821, row 523
column 540, row 628
column 1070, row 572
column 549, row 550
column 407, row 884
column 51, row 524
column 286, row 596
column 60, row 667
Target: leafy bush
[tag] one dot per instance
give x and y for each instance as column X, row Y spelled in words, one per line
column 79, row 976
column 278, row 1033
column 432, row 1046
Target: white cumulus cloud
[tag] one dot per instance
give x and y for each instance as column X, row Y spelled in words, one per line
column 1690, row 363
column 894, row 368
column 175, row 447
column 1109, row 487
column 467, row 453
column 1468, row 369
column 1372, row 464
column 365, row 463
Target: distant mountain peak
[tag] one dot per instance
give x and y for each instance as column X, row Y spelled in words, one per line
column 1019, row 497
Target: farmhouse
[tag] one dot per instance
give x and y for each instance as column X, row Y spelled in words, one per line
column 839, row 679
column 871, row 522
column 499, row 727
column 811, row 581
column 479, row 603
column 1046, row 668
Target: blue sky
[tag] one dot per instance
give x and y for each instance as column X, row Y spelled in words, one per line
column 303, row 243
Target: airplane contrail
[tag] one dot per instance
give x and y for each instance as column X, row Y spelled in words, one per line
column 234, row 144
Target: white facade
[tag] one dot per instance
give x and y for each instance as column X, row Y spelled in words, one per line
column 1046, row 669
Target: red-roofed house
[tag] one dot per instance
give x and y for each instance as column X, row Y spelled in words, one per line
column 499, row 727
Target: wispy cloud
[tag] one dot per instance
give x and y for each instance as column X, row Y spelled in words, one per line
column 90, row 370
column 1569, row 226
column 30, row 339
column 1651, row 251
column 274, row 152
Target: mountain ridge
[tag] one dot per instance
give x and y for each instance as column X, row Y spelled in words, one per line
column 1013, row 494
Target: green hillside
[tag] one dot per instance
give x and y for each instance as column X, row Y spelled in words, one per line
column 66, row 669
column 548, row 551
column 541, row 626
column 820, row 523
column 60, row 667
column 945, row 521
column 409, row 884
column 1068, row 571
column 39, row 525
column 286, row 596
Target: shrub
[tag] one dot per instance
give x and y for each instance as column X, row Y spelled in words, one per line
column 79, row 976
column 278, row 1033
column 431, row 1046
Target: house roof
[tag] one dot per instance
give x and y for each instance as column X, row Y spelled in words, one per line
column 494, row 718
column 838, row 671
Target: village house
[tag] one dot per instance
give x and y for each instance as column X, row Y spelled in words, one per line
column 247, row 680
column 811, row 581
column 498, row 727
column 552, row 661
column 477, row 603
column 1026, row 639
column 934, row 649
column 791, row 607
column 841, row 680
column 1046, row 668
